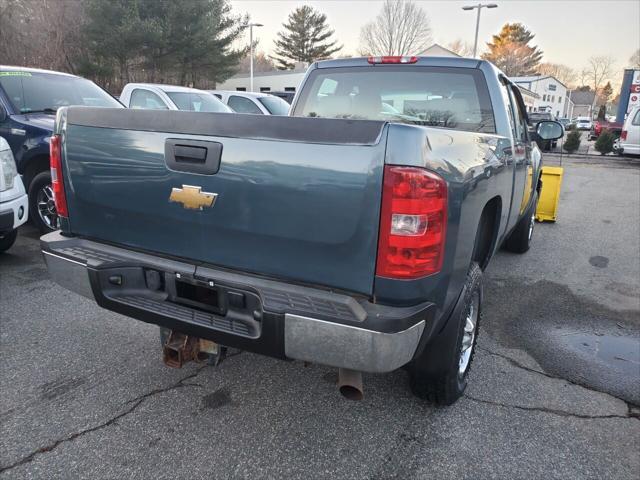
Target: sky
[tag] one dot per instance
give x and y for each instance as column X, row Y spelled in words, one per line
column 568, row 31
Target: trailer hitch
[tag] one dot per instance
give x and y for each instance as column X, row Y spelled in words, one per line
column 179, row 349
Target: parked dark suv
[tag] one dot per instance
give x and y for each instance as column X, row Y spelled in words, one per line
column 29, row 99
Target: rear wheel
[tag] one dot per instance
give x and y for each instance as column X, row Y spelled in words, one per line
column 519, row 240
column 42, row 207
column 7, row 240
column 440, row 373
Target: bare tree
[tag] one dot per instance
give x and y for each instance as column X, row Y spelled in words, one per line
column 401, row 28
column 565, row 74
column 598, row 69
column 460, row 47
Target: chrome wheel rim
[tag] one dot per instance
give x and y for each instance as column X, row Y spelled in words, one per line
column 47, row 207
column 532, row 222
column 469, row 335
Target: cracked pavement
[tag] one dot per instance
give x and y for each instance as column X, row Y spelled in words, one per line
column 85, row 395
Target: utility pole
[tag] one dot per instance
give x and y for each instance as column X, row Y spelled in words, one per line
column 251, row 25
column 479, row 7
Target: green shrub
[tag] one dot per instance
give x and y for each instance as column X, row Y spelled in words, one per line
column 572, row 143
column 604, row 144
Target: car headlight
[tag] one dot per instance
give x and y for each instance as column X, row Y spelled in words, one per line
column 8, row 170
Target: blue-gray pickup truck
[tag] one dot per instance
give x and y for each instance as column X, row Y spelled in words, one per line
column 353, row 233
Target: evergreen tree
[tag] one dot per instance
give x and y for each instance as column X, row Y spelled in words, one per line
column 510, row 51
column 306, row 37
column 604, row 144
column 572, row 143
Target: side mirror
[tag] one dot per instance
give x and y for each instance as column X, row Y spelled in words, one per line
column 549, row 130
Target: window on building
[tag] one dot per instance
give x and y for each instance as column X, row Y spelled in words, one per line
column 552, row 88
column 265, row 89
column 289, row 89
column 544, row 98
column 553, row 98
column 241, row 89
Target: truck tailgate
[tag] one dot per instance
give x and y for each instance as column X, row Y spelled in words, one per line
column 297, row 198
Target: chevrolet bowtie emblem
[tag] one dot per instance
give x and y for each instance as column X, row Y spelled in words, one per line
column 192, row 198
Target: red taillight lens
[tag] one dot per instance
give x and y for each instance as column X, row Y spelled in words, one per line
column 57, row 182
column 392, row 59
column 412, row 224
column 623, row 135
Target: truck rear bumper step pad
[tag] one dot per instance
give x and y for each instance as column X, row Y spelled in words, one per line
column 313, row 322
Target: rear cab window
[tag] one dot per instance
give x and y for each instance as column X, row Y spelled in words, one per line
column 456, row 98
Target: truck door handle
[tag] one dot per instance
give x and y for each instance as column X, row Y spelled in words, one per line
column 192, row 156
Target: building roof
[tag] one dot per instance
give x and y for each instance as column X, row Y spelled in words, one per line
column 534, row 78
column 439, row 51
column 269, row 73
column 526, row 91
column 582, row 98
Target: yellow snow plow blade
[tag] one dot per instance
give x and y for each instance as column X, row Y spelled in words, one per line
column 550, row 194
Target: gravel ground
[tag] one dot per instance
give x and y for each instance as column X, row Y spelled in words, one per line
column 84, row 394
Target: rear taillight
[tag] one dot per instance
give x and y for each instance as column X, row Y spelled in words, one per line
column 623, row 135
column 392, row 59
column 412, row 224
column 57, row 182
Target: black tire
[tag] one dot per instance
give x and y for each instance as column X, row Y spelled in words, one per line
column 436, row 374
column 7, row 240
column 40, row 182
column 519, row 240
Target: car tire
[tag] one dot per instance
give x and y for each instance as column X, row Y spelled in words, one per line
column 40, row 191
column 439, row 374
column 519, row 241
column 7, row 240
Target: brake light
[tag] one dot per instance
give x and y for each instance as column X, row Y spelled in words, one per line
column 57, row 182
column 392, row 59
column 623, row 135
column 412, row 224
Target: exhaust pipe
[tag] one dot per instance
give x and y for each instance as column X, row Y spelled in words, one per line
column 350, row 384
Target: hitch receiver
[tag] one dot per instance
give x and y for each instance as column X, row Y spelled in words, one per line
column 180, row 349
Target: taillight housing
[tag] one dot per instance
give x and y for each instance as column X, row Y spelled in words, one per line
column 57, row 181
column 623, row 135
column 413, row 221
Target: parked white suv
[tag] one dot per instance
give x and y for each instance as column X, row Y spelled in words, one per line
column 14, row 203
column 629, row 141
column 170, row 97
column 252, row 102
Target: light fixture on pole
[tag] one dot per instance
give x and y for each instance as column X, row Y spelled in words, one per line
column 479, row 7
column 251, row 25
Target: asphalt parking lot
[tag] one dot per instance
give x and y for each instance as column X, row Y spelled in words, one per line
column 552, row 393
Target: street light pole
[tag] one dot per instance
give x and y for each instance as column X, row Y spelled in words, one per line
column 479, row 7
column 251, row 25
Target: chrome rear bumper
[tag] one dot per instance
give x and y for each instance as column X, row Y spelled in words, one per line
column 302, row 336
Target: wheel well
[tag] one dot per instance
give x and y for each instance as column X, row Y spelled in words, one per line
column 35, row 166
column 487, row 233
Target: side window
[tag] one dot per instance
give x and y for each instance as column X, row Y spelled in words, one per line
column 146, row 99
column 243, row 105
column 519, row 117
column 636, row 119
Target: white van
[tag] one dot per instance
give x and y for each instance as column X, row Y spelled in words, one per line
column 629, row 142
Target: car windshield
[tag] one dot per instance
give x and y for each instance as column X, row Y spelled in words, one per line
column 197, row 102
column 275, row 105
column 46, row 92
column 454, row 98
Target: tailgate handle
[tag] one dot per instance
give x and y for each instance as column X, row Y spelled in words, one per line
column 192, row 156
